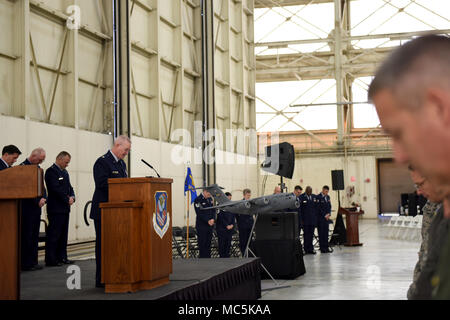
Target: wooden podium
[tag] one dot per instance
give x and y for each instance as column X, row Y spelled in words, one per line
column 137, row 234
column 351, row 221
column 20, row 182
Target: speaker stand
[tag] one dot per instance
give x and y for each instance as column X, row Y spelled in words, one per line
column 282, row 185
column 247, row 250
column 339, row 200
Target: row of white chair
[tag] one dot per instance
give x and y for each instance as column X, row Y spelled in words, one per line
column 404, row 228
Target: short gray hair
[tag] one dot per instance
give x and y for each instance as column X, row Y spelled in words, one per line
column 121, row 139
column 37, row 152
column 63, row 154
column 417, row 64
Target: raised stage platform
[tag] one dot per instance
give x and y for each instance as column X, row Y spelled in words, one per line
column 192, row 279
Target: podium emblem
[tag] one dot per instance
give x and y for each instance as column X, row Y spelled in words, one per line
column 161, row 217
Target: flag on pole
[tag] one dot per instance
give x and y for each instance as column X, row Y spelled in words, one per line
column 189, row 185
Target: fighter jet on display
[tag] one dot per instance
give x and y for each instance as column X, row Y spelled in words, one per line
column 264, row 204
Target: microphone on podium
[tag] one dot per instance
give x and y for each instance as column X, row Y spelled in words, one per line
column 151, row 167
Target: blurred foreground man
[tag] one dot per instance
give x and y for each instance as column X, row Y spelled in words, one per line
column 411, row 92
column 108, row 166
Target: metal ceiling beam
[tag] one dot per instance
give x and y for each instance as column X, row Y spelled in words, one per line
column 391, row 36
column 292, row 67
column 270, row 3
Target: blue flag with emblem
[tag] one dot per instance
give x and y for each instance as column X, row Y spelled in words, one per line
column 189, row 185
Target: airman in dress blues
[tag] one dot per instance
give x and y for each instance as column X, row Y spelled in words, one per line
column 308, row 217
column 298, row 192
column 226, row 223
column 324, row 214
column 108, row 166
column 31, row 219
column 245, row 224
column 60, row 197
column 204, row 223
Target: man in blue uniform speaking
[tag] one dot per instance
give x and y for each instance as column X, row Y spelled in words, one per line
column 110, row 165
column 225, row 227
column 204, row 223
column 324, row 211
column 308, row 210
column 60, row 197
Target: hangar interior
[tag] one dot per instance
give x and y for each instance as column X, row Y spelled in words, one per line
column 246, row 74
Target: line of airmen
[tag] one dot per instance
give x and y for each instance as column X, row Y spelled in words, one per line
column 225, row 225
column 59, row 196
column 314, row 211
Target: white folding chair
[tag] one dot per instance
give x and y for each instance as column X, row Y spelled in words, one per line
column 418, row 231
column 399, row 226
column 406, row 228
column 411, row 228
column 391, row 227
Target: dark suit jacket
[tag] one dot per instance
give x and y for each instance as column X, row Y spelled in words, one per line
column 3, row 165
column 244, row 221
column 308, row 209
column 31, row 206
column 224, row 219
column 59, row 190
column 203, row 216
column 106, row 167
column 324, row 206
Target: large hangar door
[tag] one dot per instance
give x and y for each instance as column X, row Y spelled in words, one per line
column 393, row 180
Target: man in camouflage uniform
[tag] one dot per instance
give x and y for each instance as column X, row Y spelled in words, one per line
column 411, row 93
column 441, row 279
column 426, row 189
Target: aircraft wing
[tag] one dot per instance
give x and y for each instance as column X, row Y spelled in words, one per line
column 225, row 205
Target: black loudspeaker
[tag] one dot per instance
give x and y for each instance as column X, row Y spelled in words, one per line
column 277, row 226
column 337, row 178
column 278, row 245
column 412, row 204
column 280, row 160
column 282, row 258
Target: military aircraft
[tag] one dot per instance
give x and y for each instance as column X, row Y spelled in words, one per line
column 260, row 205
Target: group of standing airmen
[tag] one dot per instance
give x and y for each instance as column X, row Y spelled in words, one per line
column 314, row 212
column 226, row 223
column 59, row 196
